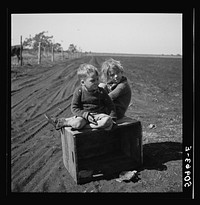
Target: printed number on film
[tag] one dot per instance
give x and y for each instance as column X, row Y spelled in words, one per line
column 187, row 178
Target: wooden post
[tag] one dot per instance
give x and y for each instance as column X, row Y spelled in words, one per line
column 62, row 54
column 39, row 53
column 52, row 55
column 45, row 53
column 21, row 48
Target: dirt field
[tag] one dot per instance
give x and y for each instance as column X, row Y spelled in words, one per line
column 36, row 152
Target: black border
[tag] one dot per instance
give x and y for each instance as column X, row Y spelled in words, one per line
column 188, row 104
column 188, row 96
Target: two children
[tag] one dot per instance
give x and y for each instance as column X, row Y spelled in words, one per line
column 97, row 105
column 91, row 105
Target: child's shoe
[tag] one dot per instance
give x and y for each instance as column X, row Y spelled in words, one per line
column 109, row 127
column 57, row 123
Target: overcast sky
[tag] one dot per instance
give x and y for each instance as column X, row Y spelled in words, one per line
column 117, row 33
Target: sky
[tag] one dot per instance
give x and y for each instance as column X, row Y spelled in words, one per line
column 134, row 33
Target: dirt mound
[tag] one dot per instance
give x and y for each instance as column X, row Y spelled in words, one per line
column 36, row 153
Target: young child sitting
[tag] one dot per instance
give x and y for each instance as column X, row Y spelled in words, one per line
column 91, row 105
column 116, row 85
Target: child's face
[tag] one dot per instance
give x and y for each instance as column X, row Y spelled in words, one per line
column 114, row 75
column 91, row 82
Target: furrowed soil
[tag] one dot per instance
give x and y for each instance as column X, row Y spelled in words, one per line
column 36, row 151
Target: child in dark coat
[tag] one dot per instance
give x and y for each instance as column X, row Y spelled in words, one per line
column 116, row 85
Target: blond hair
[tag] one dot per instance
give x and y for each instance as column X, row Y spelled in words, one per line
column 86, row 70
column 110, row 64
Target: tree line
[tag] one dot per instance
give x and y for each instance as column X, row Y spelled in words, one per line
column 46, row 42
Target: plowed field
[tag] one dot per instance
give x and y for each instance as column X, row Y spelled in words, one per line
column 36, row 152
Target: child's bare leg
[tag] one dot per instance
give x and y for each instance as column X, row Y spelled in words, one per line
column 77, row 123
column 65, row 122
column 74, row 122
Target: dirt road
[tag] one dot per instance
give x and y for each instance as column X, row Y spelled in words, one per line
column 36, row 153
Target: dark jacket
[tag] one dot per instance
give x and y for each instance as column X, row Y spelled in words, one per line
column 121, row 96
column 85, row 102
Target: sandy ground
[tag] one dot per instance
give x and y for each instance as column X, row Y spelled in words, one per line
column 36, row 152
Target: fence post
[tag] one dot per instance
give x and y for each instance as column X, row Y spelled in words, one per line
column 39, row 53
column 21, row 48
column 62, row 54
column 45, row 52
column 52, row 55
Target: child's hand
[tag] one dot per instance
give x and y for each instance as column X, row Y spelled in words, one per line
column 91, row 119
